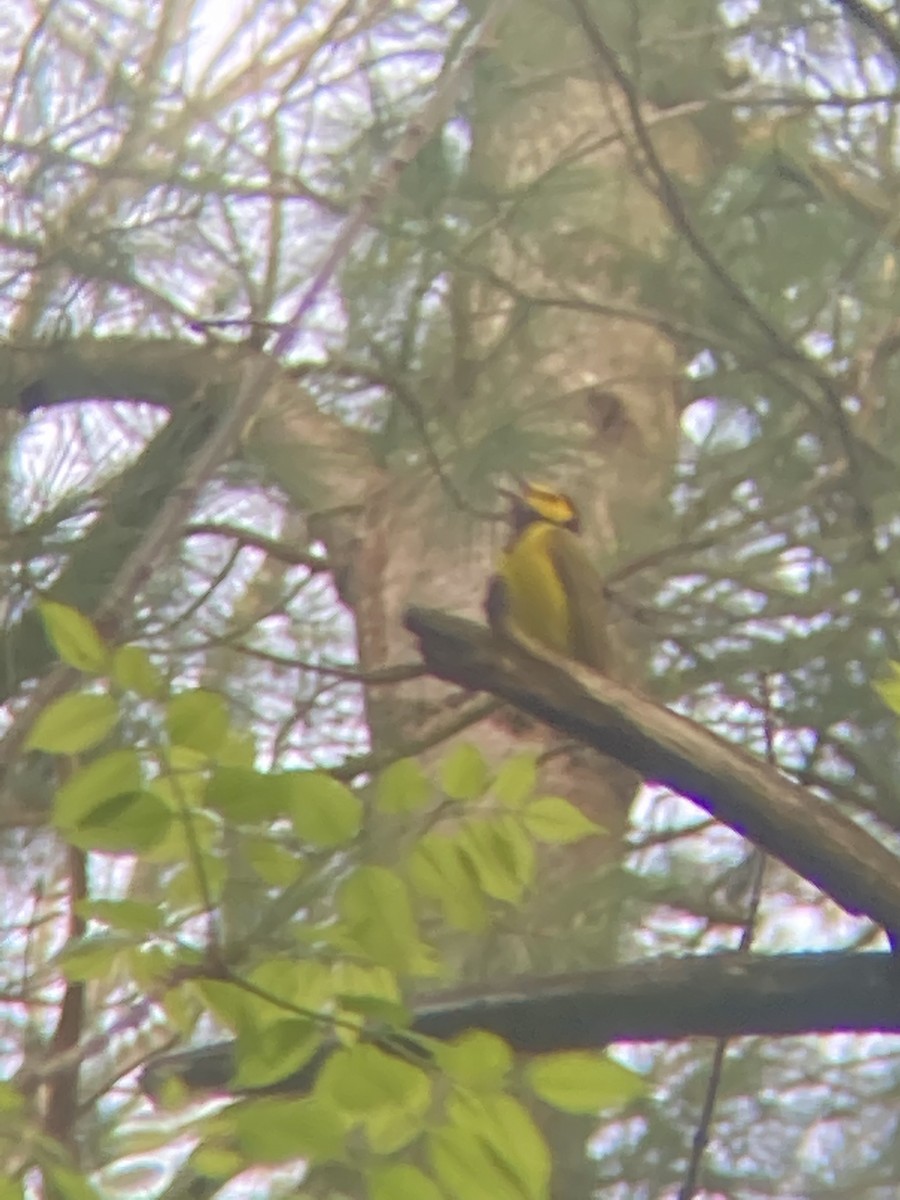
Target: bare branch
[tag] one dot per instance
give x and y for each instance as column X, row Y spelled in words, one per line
column 803, row 831
column 720, row 995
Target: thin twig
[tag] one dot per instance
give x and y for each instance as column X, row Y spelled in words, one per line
column 273, row 547
column 477, row 709
column 667, row 192
column 257, row 376
column 411, row 142
column 875, row 21
column 759, row 859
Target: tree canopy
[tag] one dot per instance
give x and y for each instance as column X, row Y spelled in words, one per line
column 294, row 903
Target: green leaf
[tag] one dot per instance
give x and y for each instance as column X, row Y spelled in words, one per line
column 69, row 1185
column 238, row 749
column 362, row 1079
column 133, row 671
column 249, row 1014
column 553, row 819
column 369, row 991
column 184, row 785
column 274, row 863
column 390, row 1129
column 375, row 1008
column 235, row 1006
column 244, row 795
column 11, row 1189
column 465, row 1167
column 11, row 1099
column 438, row 869
column 265, row 1056
column 515, row 847
column 193, row 885
column 176, row 846
column 400, row 1181
column 279, row 1130
column 463, row 773
column 128, row 824
column 73, row 723
column 403, row 787
column 889, row 689
column 305, row 983
column 112, row 775
column 91, row 958
column 375, row 906
column 324, row 812
column 579, row 1081
column 131, row 916
column 197, row 719
column 74, row 638
column 516, row 780
column 477, row 1060
column 511, row 1139
column 216, row 1162
column 153, row 964
column 501, row 856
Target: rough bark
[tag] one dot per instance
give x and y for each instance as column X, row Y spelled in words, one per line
column 667, row 999
column 794, row 825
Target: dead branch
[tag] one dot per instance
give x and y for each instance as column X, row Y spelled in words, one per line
column 802, row 830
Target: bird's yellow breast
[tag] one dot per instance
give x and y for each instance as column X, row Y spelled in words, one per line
column 535, row 598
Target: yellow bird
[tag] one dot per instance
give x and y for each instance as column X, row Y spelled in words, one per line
column 546, row 585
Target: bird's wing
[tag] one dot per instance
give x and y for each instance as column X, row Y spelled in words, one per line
column 496, row 604
column 583, row 585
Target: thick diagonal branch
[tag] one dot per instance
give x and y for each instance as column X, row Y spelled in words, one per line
column 795, row 826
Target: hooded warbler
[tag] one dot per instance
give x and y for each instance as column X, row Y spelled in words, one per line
column 545, row 585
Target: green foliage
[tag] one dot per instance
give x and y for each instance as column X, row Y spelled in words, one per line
column 889, row 689
column 192, row 798
column 88, row 959
column 489, row 1147
column 477, row 1061
column 439, row 871
column 265, row 1055
column 377, row 916
column 386, row 1096
column 275, row 864
column 114, row 774
column 133, row 671
column 554, row 819
column 500, row 854
column 324, row 812
column 129, row 822
column 281, row 1130
column 11, row 1099
column 74, row 638
column 220, row 1163
column 487, row 852
column 197, row 719
column 128, row 916
column 243, row 794
column 403, row 787
column 515, row 780
column 73, row 723
column 401, row 1181
column 69, row 1185
column 581, row 1082
column 464, row 774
